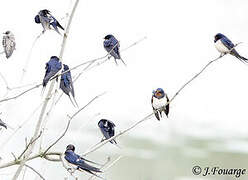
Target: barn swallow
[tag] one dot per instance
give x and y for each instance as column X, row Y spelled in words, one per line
column 66, row 84
column 108, row 129
column 8, row 43
column 112, row 46
column 159, row 103
column 75, row 159
column 52, row 67
column 47, row 21
column 225, row 45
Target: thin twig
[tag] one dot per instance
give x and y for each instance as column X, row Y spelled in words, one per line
column 22, row 93
column 195, row 76
column 39, row 155
column 95, row 147
column 24, row 70
column 90, row 62
column 69, row 121
column 105, row 167
column 29, row 144
column 119, row 134
column 35, row 171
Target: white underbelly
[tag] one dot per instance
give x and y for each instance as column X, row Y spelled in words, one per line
column 159, row 103
column 221, row 47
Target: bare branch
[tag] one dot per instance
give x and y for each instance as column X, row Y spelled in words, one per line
column 105, row 167
column 90, row 62
column 47, row 156
column 35, row 171
column 112, row 164
column 24, row 70
column 119, row 134
column 69, row 121
column 97, row 146
column 29, row 144
column 195, row 76
column 22, row 93
column 29, row 150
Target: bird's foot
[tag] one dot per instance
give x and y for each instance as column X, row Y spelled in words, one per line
column 109, row 57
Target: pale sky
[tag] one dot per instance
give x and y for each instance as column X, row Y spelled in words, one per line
column 179, row 43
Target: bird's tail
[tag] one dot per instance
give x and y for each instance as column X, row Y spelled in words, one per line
column 94, row 174
column 73, row 100
column 241, row 58
column 117, row 145
column 123, row 62
column 156, row 114
column 43, row 90
column 59, row 25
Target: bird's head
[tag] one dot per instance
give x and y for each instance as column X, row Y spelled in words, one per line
column 108, row 36
column 7, row 33
column 54, row 57
column 159, row 93
column 65, row 67
column 70, row 147
column 45, row 11
column 218, row 36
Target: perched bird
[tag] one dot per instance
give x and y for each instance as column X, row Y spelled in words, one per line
column 52, row 67
column 3, row 124
column 75, row 159
column 225, row 45
column 159, row 103
column 108, row 129
column 112, row 45
column 47, row 21
column 8, row 43
column 66, row 84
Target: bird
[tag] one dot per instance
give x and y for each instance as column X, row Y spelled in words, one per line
column 8, row 43
column 75, row 159
column 160, row 103
column 66, row 84
column 3, row 124
column 112, row 46
column 225, row 45
column 52, row 67
column 107, row 128
column 47, row 21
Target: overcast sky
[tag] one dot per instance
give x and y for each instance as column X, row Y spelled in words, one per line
column 179, row 43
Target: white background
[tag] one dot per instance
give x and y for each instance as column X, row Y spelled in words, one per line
column 179, row 43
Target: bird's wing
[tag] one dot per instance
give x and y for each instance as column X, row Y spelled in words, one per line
column 48, row 76
column 55, row 24
column 154, row 110
column 112, row 131
column 227, row 42
column 88, row 167
column 106, row 43
column 104, row 130
column 68, row 76
column 63, row 87
column 152, row 102
column 167, row 107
